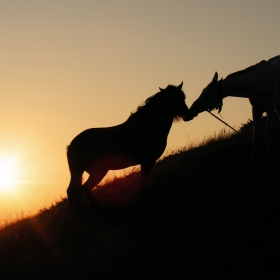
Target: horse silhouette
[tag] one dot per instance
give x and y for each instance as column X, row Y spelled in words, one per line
column 141, row 139
column 260, row 83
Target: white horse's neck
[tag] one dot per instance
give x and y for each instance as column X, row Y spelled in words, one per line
column 235, row 87
column 252, row 83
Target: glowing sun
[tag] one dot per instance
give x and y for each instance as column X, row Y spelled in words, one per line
column 8, row 166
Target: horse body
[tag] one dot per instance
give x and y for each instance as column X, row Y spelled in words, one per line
column 260, row 83
column 139, row 140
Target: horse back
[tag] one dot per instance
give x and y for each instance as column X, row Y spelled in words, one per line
column 254, row 78
column 275, row 63
column 134, row 142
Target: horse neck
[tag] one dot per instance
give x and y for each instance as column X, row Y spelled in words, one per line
column 158, row 121
column 235, row 87
column 163, row 122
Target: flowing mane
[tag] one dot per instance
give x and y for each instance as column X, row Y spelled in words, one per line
column 154, row 103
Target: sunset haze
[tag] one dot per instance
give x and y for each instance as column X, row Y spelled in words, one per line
column 71, row 65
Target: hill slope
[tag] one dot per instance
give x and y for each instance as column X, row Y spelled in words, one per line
column 209, row 214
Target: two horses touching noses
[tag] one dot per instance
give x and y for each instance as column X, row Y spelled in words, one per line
column 142, row 138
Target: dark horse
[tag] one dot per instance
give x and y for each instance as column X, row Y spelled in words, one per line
column 139, row 140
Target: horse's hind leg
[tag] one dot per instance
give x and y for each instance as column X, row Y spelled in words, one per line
column 95, row 176
column 74, row 190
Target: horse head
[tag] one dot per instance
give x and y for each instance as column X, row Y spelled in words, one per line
column 210, row 98
column 176, row 102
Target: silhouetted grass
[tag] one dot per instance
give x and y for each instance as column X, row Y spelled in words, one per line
column 209, row 213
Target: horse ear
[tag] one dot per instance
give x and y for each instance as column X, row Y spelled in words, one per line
column 180, row 86
column 215, row 78
column 160, row 89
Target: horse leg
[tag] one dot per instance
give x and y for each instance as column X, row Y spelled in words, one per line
column 146, row 168
column 74, row 190
column 257, row 113
column 95, row 176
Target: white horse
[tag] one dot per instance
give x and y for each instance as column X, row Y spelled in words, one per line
column 260, row 83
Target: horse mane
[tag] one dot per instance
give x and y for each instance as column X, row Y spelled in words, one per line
column 152, row 102
column 248, row 69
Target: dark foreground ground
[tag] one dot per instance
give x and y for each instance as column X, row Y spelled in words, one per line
column 210, row 213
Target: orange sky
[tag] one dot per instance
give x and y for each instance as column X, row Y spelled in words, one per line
column 70, row 65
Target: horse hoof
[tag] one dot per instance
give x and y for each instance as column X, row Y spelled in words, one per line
column 89, row 197
column 75, row 198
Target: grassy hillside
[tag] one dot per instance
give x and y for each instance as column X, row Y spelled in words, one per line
column 209, row 213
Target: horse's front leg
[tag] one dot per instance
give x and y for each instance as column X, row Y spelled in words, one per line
column 257, row 114
column 146, row 168
column 74, row 191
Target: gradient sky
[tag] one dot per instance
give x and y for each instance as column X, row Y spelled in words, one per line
column 70, row 65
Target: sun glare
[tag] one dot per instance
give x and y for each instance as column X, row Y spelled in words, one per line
column 8, row 167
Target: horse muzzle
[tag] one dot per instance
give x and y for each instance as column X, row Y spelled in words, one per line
column 187, row 118
column 195, row 109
